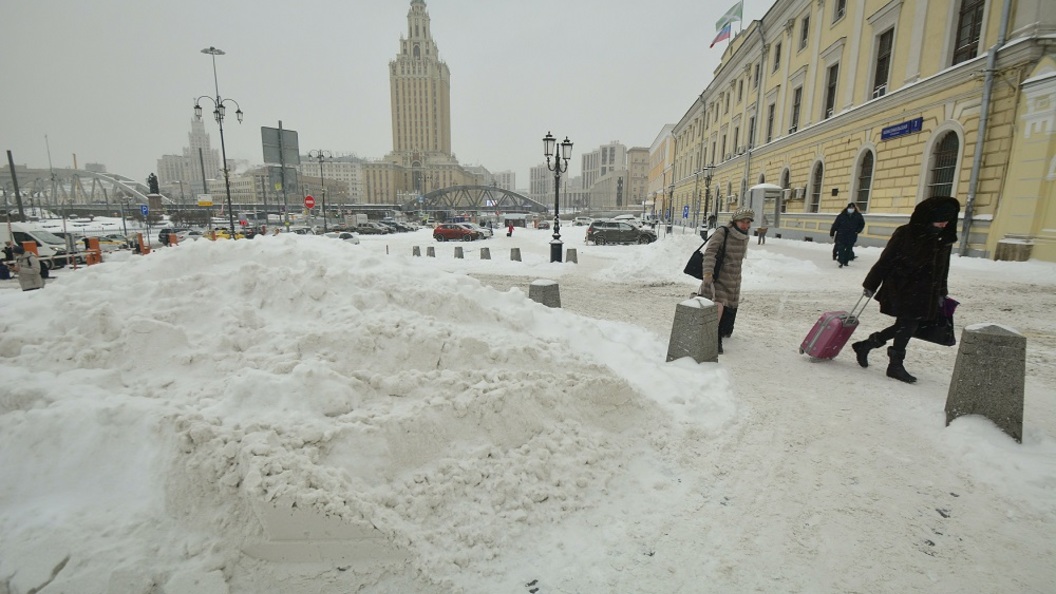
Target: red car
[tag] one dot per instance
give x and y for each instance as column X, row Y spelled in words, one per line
column 454, row 232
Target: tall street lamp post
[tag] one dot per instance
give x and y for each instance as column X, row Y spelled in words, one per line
column 560, row 153
column 218, row 115
column 319, row 155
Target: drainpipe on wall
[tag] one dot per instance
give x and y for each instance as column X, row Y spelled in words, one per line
column 984, row 116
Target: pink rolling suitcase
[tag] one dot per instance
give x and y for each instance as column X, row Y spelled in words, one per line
column 831, row 332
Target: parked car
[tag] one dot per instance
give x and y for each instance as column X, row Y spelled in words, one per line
column 346, row 236
column 454, row 232
column 628, row 218
column 373, row 229
column 605, row 231
column 169, row 234
column 581, row 221
column 484, row 232
column 113, row 241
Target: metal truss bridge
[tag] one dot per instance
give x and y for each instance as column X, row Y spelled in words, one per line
column 474, row 198
column 55, row 189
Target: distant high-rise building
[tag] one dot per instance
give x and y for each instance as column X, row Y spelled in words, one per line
column 182, row 174
column 507, row 180
column 421, row 159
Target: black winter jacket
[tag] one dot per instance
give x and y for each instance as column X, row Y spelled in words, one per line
column 847, row 226
column 912, row 271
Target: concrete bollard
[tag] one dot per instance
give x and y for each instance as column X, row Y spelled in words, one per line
column 572, row 256
column 430, row 252
column 546, row 292
column 485, row 253
column 695, row 331
column 515, row 254
column 989, row 377
column 459, row 254
column 416, row 251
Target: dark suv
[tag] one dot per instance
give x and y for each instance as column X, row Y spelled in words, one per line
column 609, row 231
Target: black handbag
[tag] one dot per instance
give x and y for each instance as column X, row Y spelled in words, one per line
column 695, row 266
column 940, row 330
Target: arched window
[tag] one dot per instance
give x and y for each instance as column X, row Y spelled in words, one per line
column 815, row 188
column 943, row 165
column 762, row 178
column 865, row 181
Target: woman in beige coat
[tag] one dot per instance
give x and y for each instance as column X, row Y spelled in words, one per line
column 27, row 265
column 727, row 246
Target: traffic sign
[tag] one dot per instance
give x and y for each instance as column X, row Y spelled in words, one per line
column 685, row 212
column 309, row 202
column 143, row 209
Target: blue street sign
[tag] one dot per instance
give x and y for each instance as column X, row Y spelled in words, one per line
column 908, row 127
column 143, row 209
column 685, row 212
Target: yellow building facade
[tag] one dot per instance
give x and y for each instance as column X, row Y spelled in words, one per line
column 883, row 103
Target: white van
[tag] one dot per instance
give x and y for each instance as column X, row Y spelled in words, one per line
column 50, row 247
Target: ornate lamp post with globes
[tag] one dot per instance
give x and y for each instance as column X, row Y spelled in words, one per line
column 561, row 156
column 218, row 115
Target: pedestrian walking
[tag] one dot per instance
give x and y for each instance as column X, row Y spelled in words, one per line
column 909, row 280
column 723, row 256
column 848, row 224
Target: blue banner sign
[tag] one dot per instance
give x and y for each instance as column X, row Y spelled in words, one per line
column 911, row 127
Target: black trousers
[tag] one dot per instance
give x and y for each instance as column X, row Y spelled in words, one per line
column 901, row 331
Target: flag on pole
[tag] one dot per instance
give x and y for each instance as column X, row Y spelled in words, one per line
column 723, row 34
column 735, row 13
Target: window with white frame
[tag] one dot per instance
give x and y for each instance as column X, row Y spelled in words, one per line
column 969, row 27
column 943, row 165
column 804, row 31
column 883, row 63
column 770, row 122
column 815, row 188
column 777, row 56
column 831, row 81
column 864, row 181
column 839, row 9
column 797, row 101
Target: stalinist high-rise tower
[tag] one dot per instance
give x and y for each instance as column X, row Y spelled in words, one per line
column 420, row 86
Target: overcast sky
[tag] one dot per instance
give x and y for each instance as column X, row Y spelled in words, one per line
column 114, row 82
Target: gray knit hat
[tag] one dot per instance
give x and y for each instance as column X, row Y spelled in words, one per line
column 743, row 213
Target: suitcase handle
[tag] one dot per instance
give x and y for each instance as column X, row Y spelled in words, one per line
column 859, row 307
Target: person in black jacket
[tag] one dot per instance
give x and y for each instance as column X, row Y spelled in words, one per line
column 909, row 279
column 848, row 224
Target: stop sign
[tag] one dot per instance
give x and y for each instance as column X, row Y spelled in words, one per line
column 309, row 202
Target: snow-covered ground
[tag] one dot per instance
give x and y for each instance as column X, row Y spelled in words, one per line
column 296, row 414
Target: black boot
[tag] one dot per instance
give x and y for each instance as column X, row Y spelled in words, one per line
column 720, row 344
column 729, row 316
column 861, row 349
column 895, row 368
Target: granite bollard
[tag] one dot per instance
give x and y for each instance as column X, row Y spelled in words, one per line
column 430, row 252
column 546, row 292
column 459, row 253
column 695, row 331
column 515, row 254
column 485, row 253
column 571, row 255
column 416, row 251
column 989, row 377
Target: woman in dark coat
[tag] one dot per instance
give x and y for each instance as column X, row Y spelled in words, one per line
column 848, row 224
column 909, row 279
